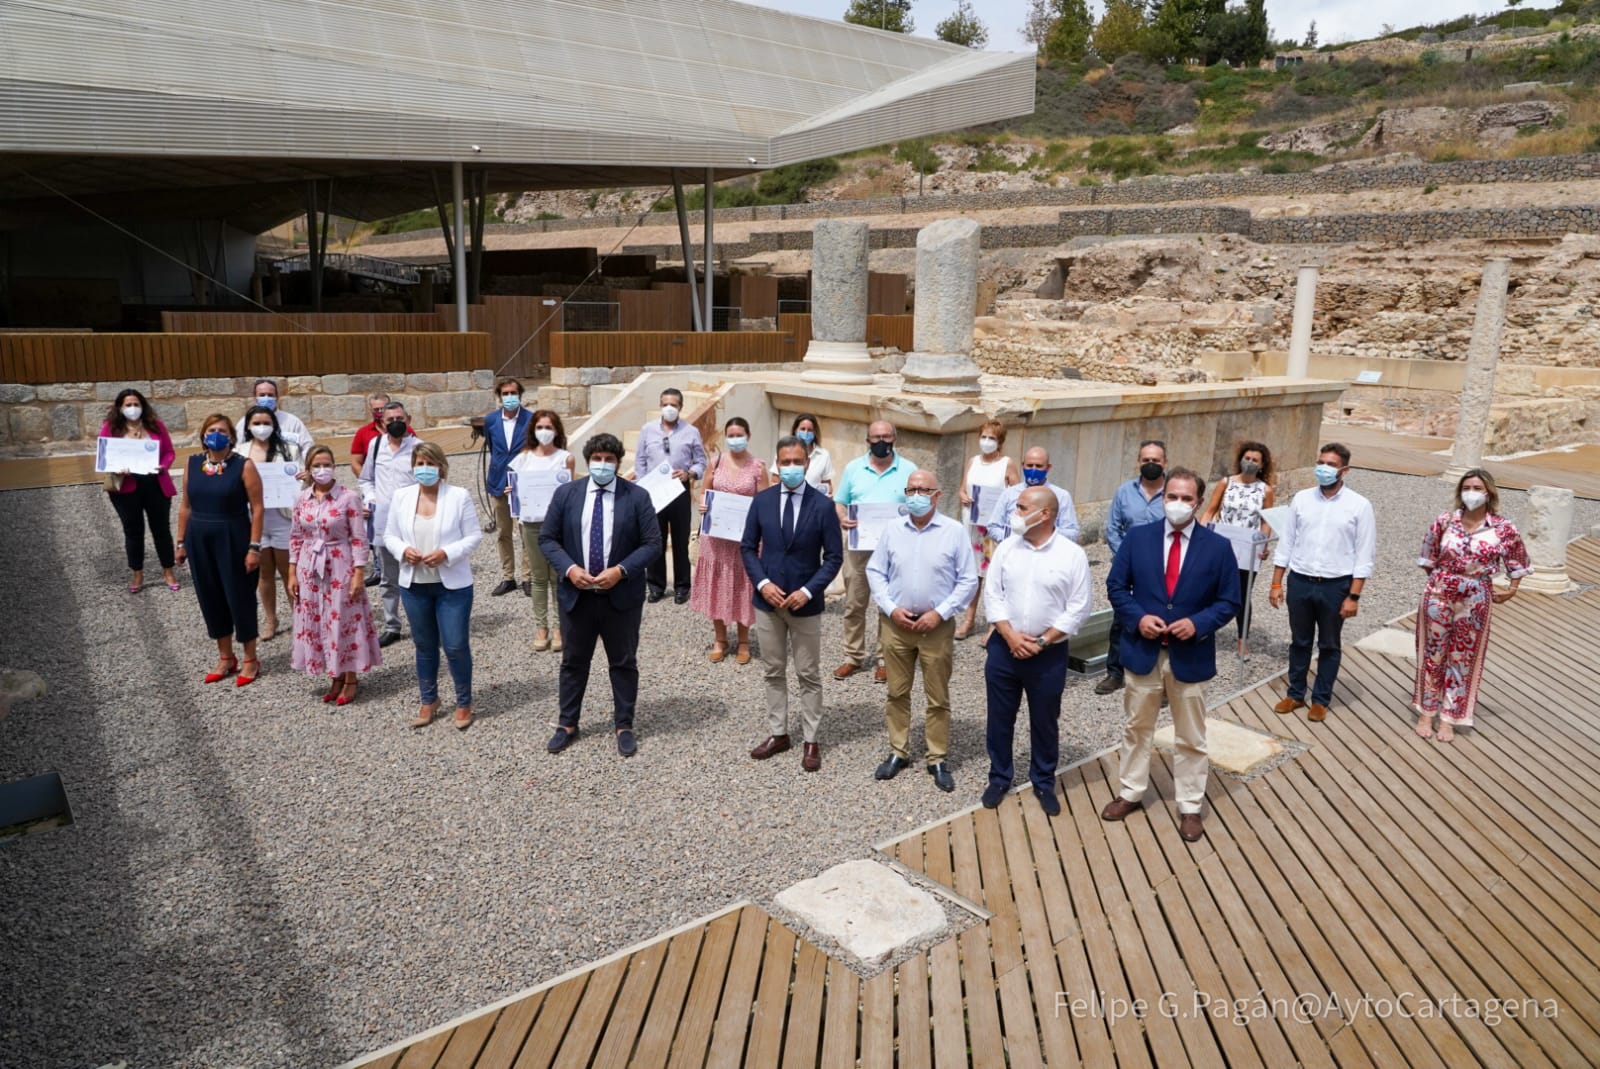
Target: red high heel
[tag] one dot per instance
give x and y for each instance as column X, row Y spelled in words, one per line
column 348, row 694
column 232, row 665
column 333, row 692
column 244, row 680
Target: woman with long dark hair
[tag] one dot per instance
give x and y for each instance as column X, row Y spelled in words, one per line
column 139, row 499
column 265, row 444
column 545, row 451
column 1237, row 500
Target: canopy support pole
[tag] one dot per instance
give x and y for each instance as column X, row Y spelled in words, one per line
column 688, row 250
column 710, row 250
column 458, row 269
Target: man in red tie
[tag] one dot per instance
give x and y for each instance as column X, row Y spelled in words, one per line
column 1174, row 585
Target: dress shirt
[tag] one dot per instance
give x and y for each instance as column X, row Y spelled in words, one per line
column 921, row 568
column 1035, row 588
column 508, row 425
column 799, row 493
column 1187, row 533
column 608, row 493
column 819, row 468
column 1066, row 515
column 862, row 484
column 680, row 446
column 387, row 472
column 1328, row 537
column 290, row 429
column 1129, row 508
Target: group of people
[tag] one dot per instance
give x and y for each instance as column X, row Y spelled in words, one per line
column 597, row 546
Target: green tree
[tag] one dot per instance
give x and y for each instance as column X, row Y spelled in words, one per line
column 963, row 27
column 881, row 14
column 1180, row 27
column 1239, row 35
column 1513, row 5
column 1068, row 39
column 1311, row 36
column 1119, row 29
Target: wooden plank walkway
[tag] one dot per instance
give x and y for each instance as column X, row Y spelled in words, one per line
column 1375, row 449
column 1378, row 900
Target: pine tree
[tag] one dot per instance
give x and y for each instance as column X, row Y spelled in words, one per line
column 892, row 15
column 1311, row 36
column 963, row 27
column 1119, row 29
column 1068, row 40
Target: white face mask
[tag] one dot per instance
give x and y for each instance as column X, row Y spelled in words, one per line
column 1473, row 499
column 987, row 446
column 1179, row 512
column 1020, row 524
column 544, row 435
column 131, row 413
column 669, row 413
column 260, row 431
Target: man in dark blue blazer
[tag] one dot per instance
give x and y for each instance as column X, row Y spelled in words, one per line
column 505, row 430
column 1174, row 585
column 600, row 534
column 792, row 549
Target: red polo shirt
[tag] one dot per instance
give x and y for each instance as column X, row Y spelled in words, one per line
column 363, row 441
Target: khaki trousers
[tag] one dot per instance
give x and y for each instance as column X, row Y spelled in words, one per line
column 780, row 632
column 901, row 651
column 1142, row 700
column 544, row 578
column 505, row 538
column 857, row 596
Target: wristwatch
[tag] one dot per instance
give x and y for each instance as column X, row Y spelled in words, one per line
column 1353, row 597
column 255, row 547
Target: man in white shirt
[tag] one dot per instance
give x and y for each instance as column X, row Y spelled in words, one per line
column 1037, row 597
column 386, row 469
column 1328, row 548
column 265, row 394
column 921, row 575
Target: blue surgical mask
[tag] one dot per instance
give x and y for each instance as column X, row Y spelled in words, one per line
column 426, row 474
column 510, row 401
column 267, row 402
column 919, row 505
column 791, row 475
column 216, row 441
column 738, row 444
column 1326, row 474
column 602, row 472
column 806, row 436
column 1035, row 476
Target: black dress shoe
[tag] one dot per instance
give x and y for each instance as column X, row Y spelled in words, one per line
column 681, row 598
column 892, row 767
column 1108, row 684
column 626, row 746
column 654, row 596
column 506, row 586
column 374, row 579
column 527, row 589
column 561, row 740
column 993, row 796
column 388, row 638
column 942, row 778
column 1048, row 802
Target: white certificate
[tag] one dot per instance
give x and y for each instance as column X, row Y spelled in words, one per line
column 985, row 507
column 279, row 487
column 661, row 486
column 1246, row 545
column 531, row 492
column 1276, row 518
column 871, row 521
column 725, row 515
column 136, row 456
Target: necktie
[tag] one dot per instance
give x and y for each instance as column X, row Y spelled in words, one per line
column 1173, row 557
column 597, row 535
column 788, row 515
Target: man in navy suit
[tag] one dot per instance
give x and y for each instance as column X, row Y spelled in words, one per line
column 792, row 549
column 1174, row 585
column 600, row 534
column 506, row 431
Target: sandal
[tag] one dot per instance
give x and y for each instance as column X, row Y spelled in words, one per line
column 333, row 691
column 541, row 640
column 425, row 715
column 719, row 653
column 134, row 588
column 226, row 666
column 744, row 654
column 244, row 680
column 347, row 693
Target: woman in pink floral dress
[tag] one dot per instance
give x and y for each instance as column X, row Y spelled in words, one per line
column 328, row 555
column 1461, row 554
column 721, row 588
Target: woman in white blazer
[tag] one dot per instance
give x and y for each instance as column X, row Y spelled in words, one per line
column 432, row 530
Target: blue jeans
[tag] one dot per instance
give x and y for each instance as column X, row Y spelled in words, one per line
column 439, row 617
column 1314, row 619
column 1041, row 678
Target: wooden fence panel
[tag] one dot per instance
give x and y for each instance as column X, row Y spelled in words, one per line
column 182, row 322
column 670, row 349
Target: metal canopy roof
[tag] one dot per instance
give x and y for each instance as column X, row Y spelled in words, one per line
column 208, row 109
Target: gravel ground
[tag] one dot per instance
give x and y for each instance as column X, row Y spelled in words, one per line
column 257, row 880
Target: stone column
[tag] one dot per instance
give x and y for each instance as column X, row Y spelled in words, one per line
column 1546, row 529
column 947, row 294
column 838, row 350
column 1305, row 303
column 1483, row 353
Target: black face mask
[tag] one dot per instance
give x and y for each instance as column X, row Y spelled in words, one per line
column 397, row 428
column 1150, row 471
column 881, row 449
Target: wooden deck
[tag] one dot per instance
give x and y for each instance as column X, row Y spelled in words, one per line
column 1374, row 449
column 1461, row 882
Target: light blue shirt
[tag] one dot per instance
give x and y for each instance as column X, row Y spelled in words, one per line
column 682, row 448
column 862, row 484
column 921, row 568
column 1130, row 508
column 1066, row 515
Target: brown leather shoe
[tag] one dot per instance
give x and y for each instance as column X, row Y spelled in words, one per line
column 881, row 675
column 846, row 670
column 1118, row 808
column 775, row 744
column 1318, row 713
column 1190, row 827
column 811, row 757
column 1288, row 705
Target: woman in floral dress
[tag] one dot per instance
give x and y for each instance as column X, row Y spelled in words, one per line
column 328, row 556
column 721, row 589
column 1461, row 554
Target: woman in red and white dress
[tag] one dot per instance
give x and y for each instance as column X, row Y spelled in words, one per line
column 721, row 591
column 1461, row 554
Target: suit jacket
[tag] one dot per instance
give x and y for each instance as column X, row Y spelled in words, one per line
column 1207, row 593
column 810, row 558
column 500, row 454
column 458, row 533
column 635, row 541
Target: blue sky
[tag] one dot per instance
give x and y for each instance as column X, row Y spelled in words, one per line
column 1339, row 20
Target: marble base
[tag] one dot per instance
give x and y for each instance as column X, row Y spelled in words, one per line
column 941, row 373
column 841, row 363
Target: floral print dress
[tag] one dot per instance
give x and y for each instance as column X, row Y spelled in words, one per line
column 333, row 630
column 1453, row 621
